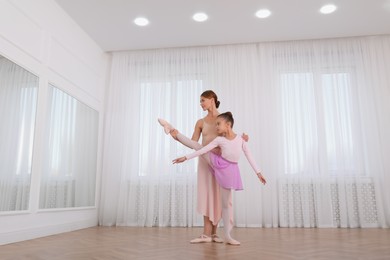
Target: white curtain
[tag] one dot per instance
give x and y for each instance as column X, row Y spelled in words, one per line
column 69, row 171
column 316, row 113
column 18, row 101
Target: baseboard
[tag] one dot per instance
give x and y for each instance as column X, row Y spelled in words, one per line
column 37, row 232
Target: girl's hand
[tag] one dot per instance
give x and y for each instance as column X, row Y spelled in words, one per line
column 179, row 160
column 261, row 178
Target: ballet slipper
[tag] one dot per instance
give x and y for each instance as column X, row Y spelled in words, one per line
column 167, row 126
column 233, row 242
column 202, row 239
column 216, row 238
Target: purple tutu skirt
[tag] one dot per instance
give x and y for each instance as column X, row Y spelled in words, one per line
column 226, row 173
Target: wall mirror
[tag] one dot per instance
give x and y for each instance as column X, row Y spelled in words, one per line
column 68, row 176
column 18, row 105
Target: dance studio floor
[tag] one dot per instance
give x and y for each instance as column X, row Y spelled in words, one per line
column 172, row 243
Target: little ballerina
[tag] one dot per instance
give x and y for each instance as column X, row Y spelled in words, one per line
column 225, row 167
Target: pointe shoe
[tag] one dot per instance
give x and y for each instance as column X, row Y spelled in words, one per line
column 167, row 126
column 232, row 242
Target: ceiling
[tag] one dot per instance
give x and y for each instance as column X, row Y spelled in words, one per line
column 110, row 22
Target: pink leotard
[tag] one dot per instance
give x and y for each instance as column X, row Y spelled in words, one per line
column 230, row 150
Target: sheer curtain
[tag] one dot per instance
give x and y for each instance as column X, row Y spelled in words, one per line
column 316, row 113
column 326, row 180
column 18, row 101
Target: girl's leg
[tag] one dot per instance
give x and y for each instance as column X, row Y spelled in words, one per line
column 226, row 213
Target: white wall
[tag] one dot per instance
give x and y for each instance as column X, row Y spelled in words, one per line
column 39, row 36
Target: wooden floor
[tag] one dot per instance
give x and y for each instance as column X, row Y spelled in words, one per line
column 172, row 243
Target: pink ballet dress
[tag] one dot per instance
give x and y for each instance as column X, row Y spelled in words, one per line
column 225, row 167
column 226, row 173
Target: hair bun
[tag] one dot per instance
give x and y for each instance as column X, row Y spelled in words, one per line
column 228, row 116
column 217, row 104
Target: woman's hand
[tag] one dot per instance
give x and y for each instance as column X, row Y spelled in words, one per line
column 245, row 137
column 261, row 178
column 179, row 160
column 216, row 150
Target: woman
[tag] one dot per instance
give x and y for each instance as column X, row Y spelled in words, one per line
column 225, row 168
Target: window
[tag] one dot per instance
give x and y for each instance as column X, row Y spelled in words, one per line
column 336, row 95
column 317, row 117
column 178, row 103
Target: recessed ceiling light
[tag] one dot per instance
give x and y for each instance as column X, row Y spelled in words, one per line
column 141, row 21
column 327, row 9
column 200, row 17
column 263, row 13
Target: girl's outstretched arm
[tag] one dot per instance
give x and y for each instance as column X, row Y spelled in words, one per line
column 261, row 178
column 252, row 162
column 179, row 160
column 201, row 151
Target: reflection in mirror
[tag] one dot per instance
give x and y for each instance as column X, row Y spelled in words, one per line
column 18, row 102
column 70, row 153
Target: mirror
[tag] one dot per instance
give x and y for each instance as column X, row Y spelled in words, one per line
column 18, row 105
column 70, row 153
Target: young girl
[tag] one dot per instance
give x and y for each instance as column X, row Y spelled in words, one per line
column 225, row 168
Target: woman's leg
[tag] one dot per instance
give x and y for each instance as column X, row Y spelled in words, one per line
column 226, row 213
column 188, row 142
column 208, row 201
column 206, row 236
column 214, row 235
column 209, row 229
column 169, row 129
column 207, row 232
column 193, row 145
column 208, row 226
